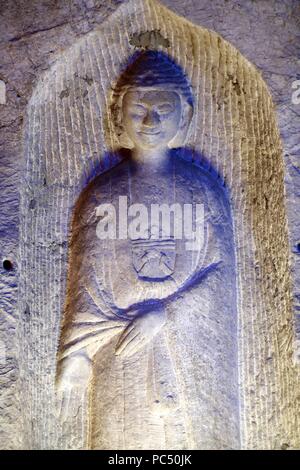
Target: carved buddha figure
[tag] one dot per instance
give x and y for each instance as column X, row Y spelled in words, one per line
column 149, row 325
column 151, row 119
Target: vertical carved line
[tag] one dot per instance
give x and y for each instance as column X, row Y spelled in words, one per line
column 264, row 306
column 103, row 72
column 197, row 83
column 69, row 124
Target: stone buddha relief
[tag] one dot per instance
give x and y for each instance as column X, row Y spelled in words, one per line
column 195, row 300
column 148, row 346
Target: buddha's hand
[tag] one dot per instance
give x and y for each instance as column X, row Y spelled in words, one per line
column 140, row 332
column 74, row 373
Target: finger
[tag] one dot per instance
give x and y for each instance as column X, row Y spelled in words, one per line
column 134, row 346
column 127, row 336
column 125, row 333
column 126, row 341
column 65, row 405
column 133, row 349
column 59, row 401
column 76, row 402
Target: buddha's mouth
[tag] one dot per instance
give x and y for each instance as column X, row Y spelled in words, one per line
column 150, row 132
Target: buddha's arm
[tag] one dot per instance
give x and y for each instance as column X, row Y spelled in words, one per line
column 141, row 330
column 92, row 325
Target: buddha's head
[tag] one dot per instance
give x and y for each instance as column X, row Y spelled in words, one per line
column 152, row 103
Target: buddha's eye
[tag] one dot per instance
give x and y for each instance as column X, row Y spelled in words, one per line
column 165, row 108
column 138, row 110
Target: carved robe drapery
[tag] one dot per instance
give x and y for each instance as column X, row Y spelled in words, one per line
column 158, row 397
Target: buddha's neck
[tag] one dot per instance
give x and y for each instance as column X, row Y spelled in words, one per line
column 150, row 157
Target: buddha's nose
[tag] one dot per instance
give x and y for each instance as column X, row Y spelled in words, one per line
column 151, row 119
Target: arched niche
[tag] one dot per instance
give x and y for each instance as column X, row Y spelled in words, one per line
column 234, row 132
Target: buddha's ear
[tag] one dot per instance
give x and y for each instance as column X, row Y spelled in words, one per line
column 124, row 141
column 186, row 118
column 121, row 135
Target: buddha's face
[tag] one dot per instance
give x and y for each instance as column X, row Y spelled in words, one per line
column 151, row 117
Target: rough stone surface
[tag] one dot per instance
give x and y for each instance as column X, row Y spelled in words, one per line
column 33, row 34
